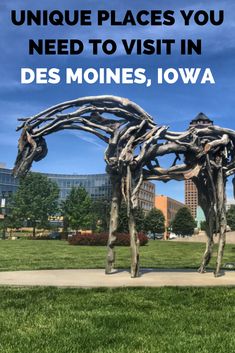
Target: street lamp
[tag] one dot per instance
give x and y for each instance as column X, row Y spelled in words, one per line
column 3, row 214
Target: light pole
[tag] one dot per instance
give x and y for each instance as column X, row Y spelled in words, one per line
column 3, row 213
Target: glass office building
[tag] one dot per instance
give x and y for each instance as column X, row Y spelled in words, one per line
column 97, row 185
column 8, row 184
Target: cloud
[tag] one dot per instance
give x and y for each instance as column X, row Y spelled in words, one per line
column 88, row 138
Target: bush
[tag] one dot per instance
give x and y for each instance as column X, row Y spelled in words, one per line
column 50, row 236
column 39, row 237
column 64, row 235
column 101, row 239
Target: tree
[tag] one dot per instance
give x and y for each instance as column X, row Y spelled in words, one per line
column 8, row 220
column 123, row 219
column 231, row 217
column 183, row 222
column 35, row 200
column 101, row 215
column 155, row 221
column 77, row 209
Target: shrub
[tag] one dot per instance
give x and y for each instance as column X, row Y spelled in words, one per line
column 64, row 235
column 39, row 237
column 50, row 236
column 101, row 239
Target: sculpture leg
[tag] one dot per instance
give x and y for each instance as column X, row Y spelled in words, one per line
column 116, row 199
column 208, row 253
column 210, row 219
column 134, row 243
column 222, row 222
column 221, row 245
column 207, row 203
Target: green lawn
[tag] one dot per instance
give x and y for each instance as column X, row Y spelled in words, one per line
column 43, row 254
column 166, row 320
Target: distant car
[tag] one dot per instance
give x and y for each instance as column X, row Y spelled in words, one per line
column 154, row 236
column 172, row 236
column 54, row 236
column 158, row 236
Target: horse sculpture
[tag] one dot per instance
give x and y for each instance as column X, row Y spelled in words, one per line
column 134, row 143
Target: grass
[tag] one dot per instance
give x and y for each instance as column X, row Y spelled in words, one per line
column 140, row 320
column 124, row 320
column 43, row 254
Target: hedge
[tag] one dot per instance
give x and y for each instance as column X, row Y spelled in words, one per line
column 123, row 239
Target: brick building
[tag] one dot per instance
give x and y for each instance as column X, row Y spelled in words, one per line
column 168, row 206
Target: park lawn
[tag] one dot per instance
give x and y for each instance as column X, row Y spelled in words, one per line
column 52, row 254
column 126, row 320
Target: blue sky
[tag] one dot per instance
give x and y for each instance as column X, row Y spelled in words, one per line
column 174, row 105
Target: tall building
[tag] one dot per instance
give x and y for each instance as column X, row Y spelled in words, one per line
column 190, row 190
column 191, row 196
column 97, row 185
column 146, row 196
column 168, row 206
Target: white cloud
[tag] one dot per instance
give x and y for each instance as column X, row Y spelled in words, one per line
column 88, row 138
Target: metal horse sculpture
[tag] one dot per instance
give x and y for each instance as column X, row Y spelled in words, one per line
column 134, row 143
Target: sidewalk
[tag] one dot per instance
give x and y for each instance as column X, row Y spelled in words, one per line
column 202, row 238
column 94, row 278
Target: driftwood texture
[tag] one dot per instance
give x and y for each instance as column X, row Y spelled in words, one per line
column 134, row 143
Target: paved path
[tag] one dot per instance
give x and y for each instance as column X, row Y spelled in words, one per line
column 201, row 238
column 93, row 278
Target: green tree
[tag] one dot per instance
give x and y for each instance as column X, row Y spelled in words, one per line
column 231, row 217
column 155, row 221
column 183, row 222
column 35, row 200
column 123, row 219
column 77, row 209
column 8, row 220
column 101, row 215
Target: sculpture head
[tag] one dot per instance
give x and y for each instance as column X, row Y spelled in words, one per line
column 29, row 149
